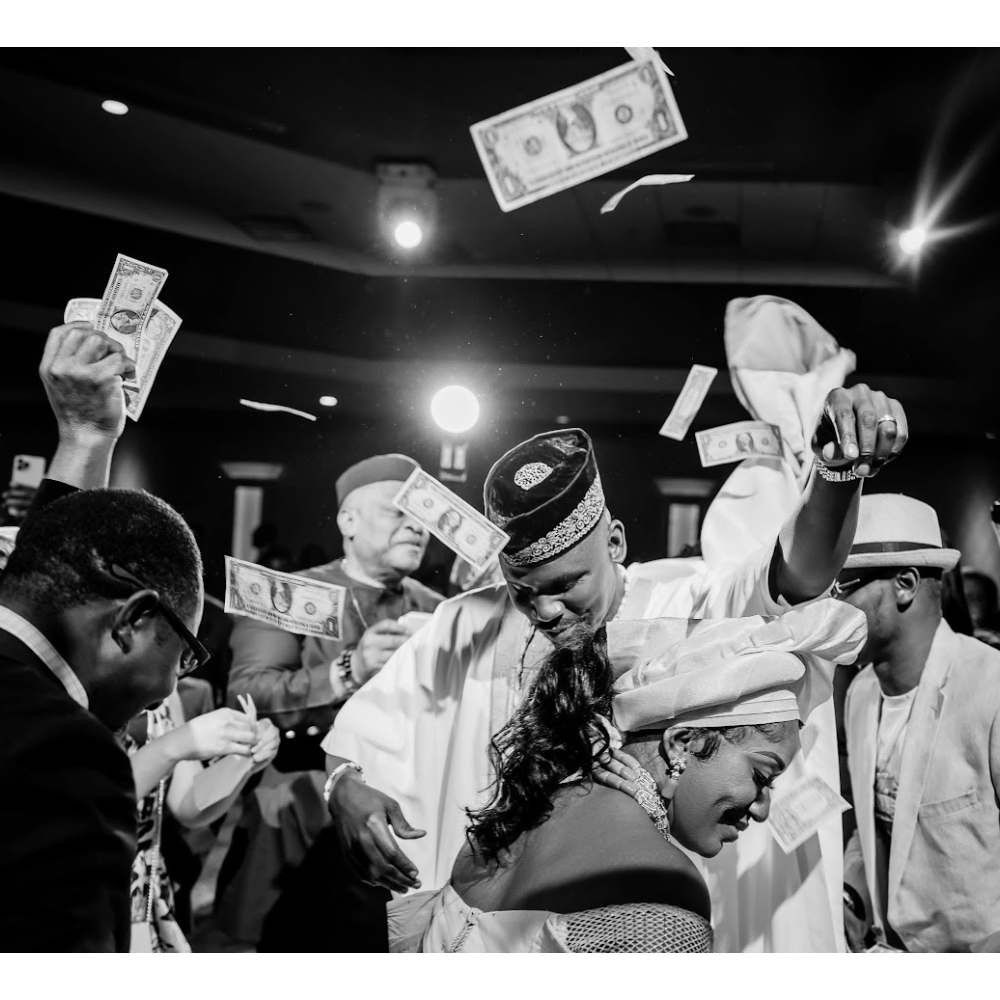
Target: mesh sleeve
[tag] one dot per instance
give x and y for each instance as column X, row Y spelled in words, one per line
column 634, row 927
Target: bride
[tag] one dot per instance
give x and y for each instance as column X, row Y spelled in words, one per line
column 710, row 712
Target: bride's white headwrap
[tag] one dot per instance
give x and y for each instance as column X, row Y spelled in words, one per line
column 730, row 671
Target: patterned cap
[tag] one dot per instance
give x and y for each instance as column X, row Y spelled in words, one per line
column 546, row 494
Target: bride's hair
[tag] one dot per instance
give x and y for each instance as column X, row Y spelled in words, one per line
column 553, row 735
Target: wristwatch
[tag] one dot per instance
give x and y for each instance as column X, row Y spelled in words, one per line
column 336, row 773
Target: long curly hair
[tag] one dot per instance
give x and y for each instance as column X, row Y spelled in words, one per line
column 554, row 734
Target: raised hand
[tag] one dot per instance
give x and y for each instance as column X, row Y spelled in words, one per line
column 860, row 427
column 82, row 370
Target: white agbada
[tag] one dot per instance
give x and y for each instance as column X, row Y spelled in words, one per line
column 421, row 729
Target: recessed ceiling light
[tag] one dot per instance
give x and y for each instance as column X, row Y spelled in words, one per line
column 327, row 400
column 115, row 107
column 562, row 420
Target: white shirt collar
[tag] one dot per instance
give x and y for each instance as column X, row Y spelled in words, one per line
column 20, row 628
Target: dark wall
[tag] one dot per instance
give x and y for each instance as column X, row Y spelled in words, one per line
column 179, row 458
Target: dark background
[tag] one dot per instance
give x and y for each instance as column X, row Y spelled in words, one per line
column 805, row 162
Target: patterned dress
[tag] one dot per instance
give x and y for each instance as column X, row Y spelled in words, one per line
column 163, row 930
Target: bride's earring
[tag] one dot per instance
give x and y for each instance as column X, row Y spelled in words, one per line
column 676, row 766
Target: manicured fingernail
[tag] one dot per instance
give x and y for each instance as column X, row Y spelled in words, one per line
column 629, row 774
column 631, row 789
column 851, row 451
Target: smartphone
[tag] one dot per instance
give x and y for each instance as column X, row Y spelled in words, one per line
column 28, row 470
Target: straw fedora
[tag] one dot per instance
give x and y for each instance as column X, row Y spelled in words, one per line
column 896, row 530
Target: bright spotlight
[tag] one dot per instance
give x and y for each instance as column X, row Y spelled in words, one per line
column 911, row 241
column 408, row 234
column 115, row 107
column 327, row 400
column 455, row 409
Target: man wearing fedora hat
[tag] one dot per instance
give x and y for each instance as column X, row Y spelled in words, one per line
column 923, row 744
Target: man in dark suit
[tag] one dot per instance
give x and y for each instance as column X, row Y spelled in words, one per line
column 98, row 604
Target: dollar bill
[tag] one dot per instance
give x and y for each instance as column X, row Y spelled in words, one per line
column 155, row 337
column 81, row 310
column 293, row 603
column 735, row 442
column 448, row 517
column 797, row 813
column 579, row 133
column 128, row 299
column 688, row 403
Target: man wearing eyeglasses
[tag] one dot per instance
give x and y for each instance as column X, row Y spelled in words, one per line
column 923, row 745
column 99, row 604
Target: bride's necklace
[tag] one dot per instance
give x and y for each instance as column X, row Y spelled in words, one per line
column 648, row 796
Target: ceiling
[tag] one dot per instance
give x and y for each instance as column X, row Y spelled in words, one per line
column 251, row 176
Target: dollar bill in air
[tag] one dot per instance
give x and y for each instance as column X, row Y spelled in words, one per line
column 579, row 133
column 735, row 442
column 449, row 518
column 797, row 813
column 294, row 603
column 688, row 403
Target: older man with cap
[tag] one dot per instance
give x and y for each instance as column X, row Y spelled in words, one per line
column 422, row 729
column 923, row 747
column 302, row 682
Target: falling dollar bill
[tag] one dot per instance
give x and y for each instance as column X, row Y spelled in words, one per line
column 127, row 302
column 448, row 517
column 688, row 403
column 293, row 603
column 650, row 180
column 734, row 442
column 579, row 133
column 161, row 327
column 797, row 813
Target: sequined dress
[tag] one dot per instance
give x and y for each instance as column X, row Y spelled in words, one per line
column 440, row 921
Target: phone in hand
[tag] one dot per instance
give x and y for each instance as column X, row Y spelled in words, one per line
column 28, row 470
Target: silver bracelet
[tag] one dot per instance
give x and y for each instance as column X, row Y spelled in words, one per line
column 844, row 475
column 336, row 773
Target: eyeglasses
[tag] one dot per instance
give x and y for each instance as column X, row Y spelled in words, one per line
column 841, row 590
column 196, row 655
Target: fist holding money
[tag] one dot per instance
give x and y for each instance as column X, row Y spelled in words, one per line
column 82, row 371
column 860, row 429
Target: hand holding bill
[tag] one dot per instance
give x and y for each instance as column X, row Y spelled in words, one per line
column 83, row 370
column 860, row 427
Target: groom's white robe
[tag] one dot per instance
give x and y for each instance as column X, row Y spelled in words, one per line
column 421, row 729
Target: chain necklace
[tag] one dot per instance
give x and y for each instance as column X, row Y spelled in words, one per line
column 649, row 798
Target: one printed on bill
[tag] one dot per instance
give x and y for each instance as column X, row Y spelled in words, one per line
column 293, row 603
column 735, row 442
column 579, row 133
column 449, row 518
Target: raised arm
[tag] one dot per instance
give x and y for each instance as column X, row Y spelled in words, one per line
column 859, row 431
column 82, row 371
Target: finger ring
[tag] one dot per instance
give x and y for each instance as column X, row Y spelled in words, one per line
column 887, row 419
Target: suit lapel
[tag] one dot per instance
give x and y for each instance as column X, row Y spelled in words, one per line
column 921, row 732
column 861, row 741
